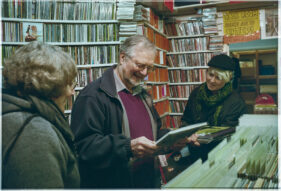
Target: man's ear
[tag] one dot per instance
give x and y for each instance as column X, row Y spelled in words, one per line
column 122, row 58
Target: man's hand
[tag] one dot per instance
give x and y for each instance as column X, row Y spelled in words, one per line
column 143, row 147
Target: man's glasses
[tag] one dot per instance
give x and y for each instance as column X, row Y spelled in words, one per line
column 142, row 66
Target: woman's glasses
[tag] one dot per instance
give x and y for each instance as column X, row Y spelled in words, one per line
column 74, row 84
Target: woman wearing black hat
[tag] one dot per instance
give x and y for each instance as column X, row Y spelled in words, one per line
column 215, row 101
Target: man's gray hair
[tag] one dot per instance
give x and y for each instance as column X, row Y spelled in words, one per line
column 130, row 43
column 39, row 69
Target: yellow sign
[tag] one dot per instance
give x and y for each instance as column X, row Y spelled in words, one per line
column 239, row 26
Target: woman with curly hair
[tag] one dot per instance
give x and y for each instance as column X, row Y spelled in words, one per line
column 38, row 148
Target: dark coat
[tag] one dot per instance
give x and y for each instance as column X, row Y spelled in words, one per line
column 97, row 119
column 233, row 107
column 43, row 154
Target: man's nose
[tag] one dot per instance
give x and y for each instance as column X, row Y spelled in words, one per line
column 144, row 71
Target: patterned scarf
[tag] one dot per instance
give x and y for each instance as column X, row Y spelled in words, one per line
column 205, row 98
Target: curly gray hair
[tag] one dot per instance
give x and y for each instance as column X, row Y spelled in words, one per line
column 39, row 69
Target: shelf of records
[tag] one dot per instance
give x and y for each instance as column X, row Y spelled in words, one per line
column 186, row 44
column 147, row 16
column 173, row 120
column 86, row 76
column 160, row 58
column 52, row 32
column 189, row 59
column 187, row 75
column 246, row 160
column 60, row 10
column 84, row 56
column 189, row 44
column 144, row 26
column 162, row 107
column 177, row 106
column 159, row 39
column 158, row 91
column 158, row 75
column 204, row 22
column 180, row 90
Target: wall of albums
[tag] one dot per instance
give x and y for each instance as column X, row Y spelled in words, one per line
column 87, row 30
column 91, row 31
column 191, row 42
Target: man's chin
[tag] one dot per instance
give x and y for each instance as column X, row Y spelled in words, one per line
column 136, row 83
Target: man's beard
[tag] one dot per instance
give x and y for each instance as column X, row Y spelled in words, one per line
column 135, row 82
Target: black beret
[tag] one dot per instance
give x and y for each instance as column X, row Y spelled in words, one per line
column 222, row 62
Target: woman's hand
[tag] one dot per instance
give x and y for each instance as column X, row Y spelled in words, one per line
column 193, row 140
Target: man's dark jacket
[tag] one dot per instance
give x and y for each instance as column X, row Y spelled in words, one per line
column 97, row 119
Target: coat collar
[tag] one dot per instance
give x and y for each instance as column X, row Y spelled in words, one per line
column 108, row 83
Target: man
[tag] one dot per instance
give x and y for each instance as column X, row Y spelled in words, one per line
column 115, row 123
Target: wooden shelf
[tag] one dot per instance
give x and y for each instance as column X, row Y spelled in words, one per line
column 252, row 52
column 193, row 52
column 158, row 6
column 153, row 28
column 161, row 99
column 188, row 36
column 68, row 43
column 184, row 83
column 244, row 78
column 60, row 21
column 175, row 114
column 252, row 86
column 178, row 99
column 164, row 115
column 222, row 5
column 188, row 67
column 160, row 65
column 155, row 83
column 95, row 65
column 267, row 76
